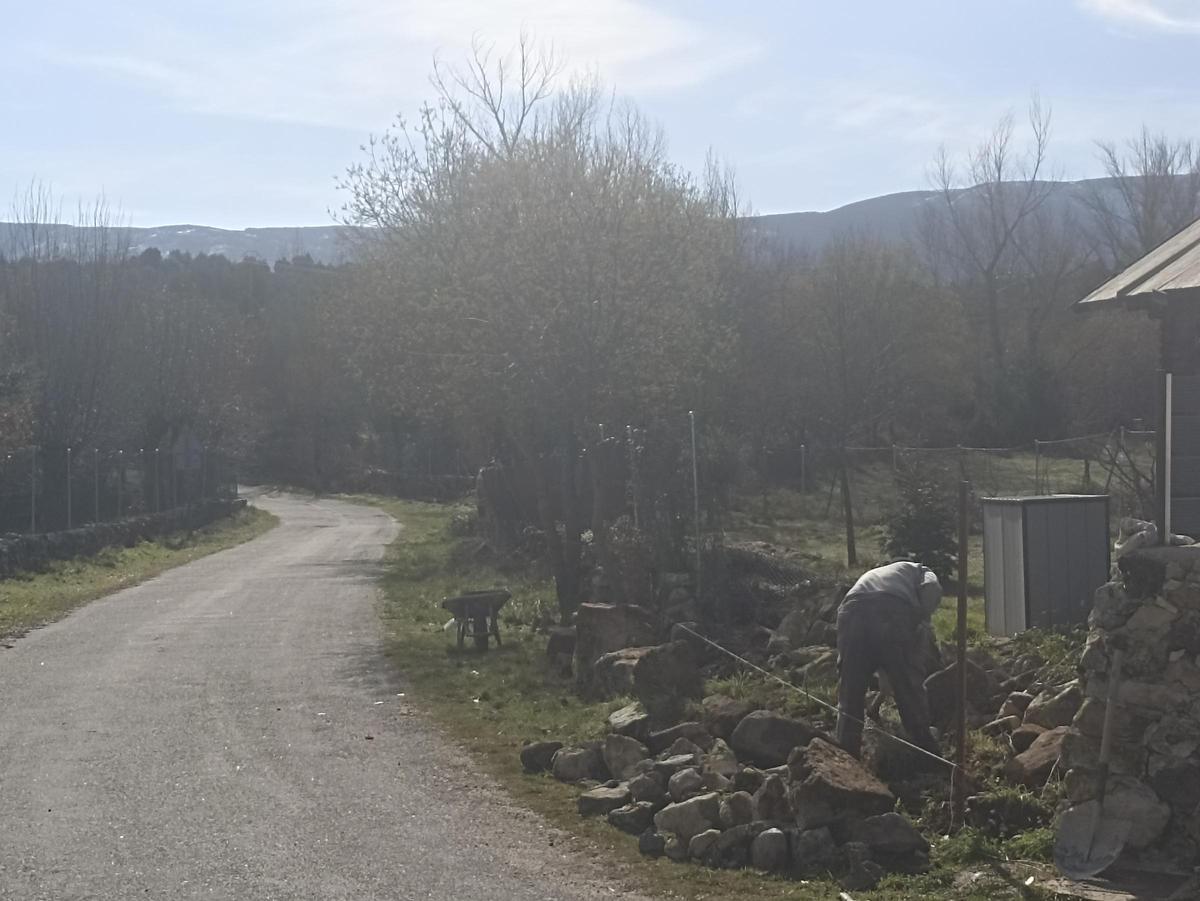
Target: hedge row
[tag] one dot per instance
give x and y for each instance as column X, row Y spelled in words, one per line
column 33, row 553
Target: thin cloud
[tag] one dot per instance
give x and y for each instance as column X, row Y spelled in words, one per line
column 355, row 63
column 1164, row 15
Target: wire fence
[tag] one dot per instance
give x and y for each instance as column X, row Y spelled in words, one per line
column 50, row 489
column 1118, row 463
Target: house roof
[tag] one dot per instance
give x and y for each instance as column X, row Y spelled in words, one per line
column 1172, row 266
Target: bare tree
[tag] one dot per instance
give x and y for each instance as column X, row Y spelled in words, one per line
column 1006, row 254
column 1151, row 192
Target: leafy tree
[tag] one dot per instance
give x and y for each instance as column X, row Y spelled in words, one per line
column 536, row 267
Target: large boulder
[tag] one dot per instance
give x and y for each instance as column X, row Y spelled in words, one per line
column 1032, row 767
column 601, row 800
column 1055, row 707
column 577, row 764
column 736, row 809
column 830, row 786
column 813, row 851
column 612, row 673
column 630, row 720
column 633, row 818
column 766, row 739
column 1016, row 704
column 795, row 626
column 622, row 754
column 720, row 759
column 653, row 844
column 769, row 851
column 538, row 756
column 722, row 714
column 771, row 801
column 862, row 873
column 942, row 690
column 1025, row 735
column 889, row 834
column 691, row 817
column 603, row 628
column 695, row 733
column 674, row 847
column 732, row 849
column 665, row 678
column 649, row 787
column 685, row 784
column 701, row 844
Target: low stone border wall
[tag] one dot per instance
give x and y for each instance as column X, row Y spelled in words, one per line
column 32, row 553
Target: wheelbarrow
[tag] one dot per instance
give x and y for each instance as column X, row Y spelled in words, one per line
column 477, row 615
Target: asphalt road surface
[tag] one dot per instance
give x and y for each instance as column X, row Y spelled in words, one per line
column 230, row 730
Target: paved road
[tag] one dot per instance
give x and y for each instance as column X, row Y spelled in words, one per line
column 205, row 735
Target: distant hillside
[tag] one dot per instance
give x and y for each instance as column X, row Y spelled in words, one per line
column 322, row 242
column 896, row 217
column 892, row 217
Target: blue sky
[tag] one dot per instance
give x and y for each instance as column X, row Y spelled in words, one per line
column 242, row 112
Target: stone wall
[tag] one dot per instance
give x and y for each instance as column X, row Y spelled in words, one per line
column 33, row 552
column 1152, row 611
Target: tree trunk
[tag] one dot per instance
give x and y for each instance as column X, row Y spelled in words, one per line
column 554, row 544
column 848, row 510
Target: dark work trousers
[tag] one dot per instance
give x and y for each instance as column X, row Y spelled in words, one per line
column 880, row 633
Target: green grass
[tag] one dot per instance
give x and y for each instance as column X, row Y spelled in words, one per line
column 28, row 600
column 492, row 702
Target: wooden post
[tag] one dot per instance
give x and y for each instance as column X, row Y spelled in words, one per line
column 964, row 491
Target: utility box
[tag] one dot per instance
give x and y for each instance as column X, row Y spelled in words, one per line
column 1043, row 559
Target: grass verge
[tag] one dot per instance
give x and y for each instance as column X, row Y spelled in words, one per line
column 492, row 702
column 28, row 600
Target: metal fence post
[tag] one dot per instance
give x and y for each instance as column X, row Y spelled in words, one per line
column 120, row 479
column 96, row 480
column 69, row 523
column 1037, row 467
column 157, row 482
column 803, row 468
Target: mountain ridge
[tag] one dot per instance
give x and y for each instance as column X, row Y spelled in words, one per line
column 891, row 217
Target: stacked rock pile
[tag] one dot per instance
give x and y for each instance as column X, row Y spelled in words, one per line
column 742, row 788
